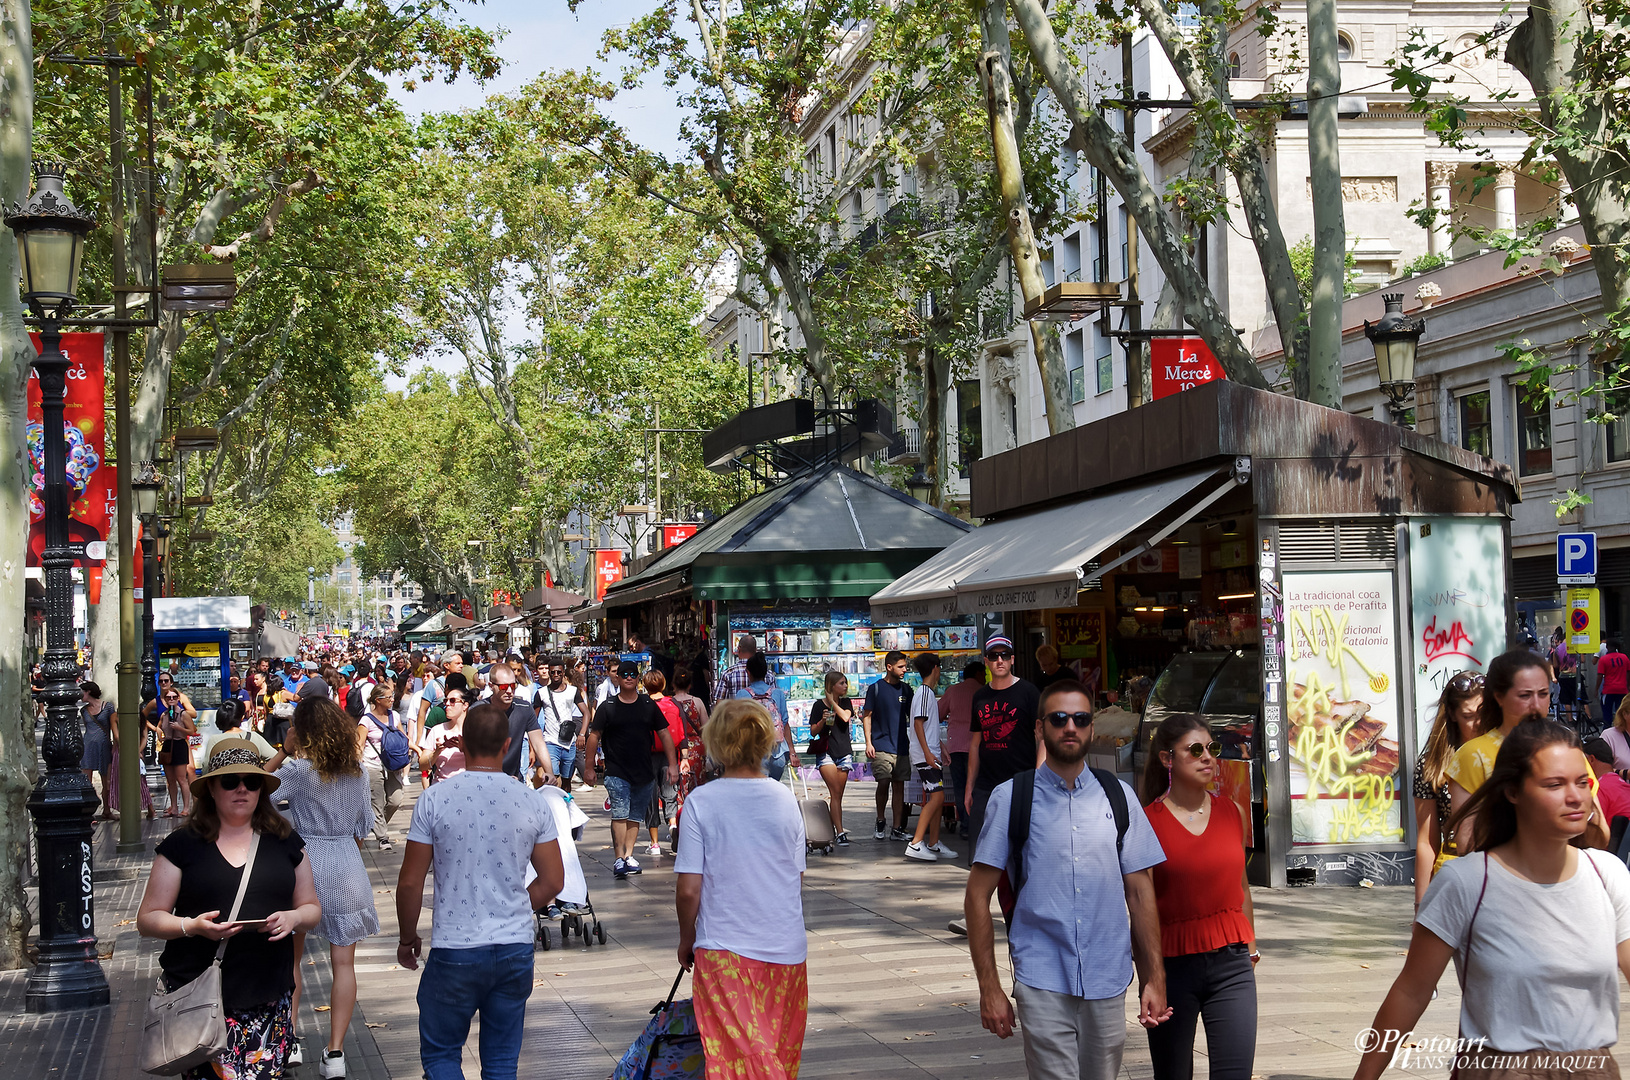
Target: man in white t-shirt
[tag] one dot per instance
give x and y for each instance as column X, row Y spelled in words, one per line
column 481, row 828
column 923, row 738
column 561, row 707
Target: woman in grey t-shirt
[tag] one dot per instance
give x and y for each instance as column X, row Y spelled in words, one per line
column 1538, row 929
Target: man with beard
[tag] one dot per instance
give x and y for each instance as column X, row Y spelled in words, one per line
column 1074, row 946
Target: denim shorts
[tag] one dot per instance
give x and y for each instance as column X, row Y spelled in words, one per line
column 628, row 801
column 846, row 762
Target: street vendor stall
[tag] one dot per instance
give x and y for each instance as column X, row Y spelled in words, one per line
column 793, row 566
column 1305, row 579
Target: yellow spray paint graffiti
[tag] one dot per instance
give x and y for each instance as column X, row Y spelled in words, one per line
column 1307, row 627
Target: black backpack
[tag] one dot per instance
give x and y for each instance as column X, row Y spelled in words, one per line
column 1018, row 830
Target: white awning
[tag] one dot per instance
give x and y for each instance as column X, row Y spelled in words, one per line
column 1033, row 561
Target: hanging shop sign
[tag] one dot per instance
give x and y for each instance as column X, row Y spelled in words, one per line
column 1341, row 653
column 1457, row 605
column 1178, row 364
column 677, row 534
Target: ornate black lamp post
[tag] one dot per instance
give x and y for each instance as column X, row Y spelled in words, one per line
column 51, row 244
column 1395, row 338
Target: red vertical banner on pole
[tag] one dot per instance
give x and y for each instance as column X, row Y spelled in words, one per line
column 92, row 487
column 1178, row 364
column 608, row 569
column 677, row 534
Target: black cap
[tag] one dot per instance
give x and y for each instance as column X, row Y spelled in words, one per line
column 628, row 667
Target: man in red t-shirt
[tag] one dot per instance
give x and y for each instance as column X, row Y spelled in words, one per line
column 956, row 709
column 1612, row 677
column 1613, row 793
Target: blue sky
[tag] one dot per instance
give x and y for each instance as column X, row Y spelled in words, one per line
column 545, row 35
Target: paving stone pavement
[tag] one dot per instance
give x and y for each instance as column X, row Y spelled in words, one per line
column 892, row 993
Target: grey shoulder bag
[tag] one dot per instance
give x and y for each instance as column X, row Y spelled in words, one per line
column 187, row 1026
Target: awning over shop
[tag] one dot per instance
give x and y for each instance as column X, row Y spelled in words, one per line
column 278, row 641
column 439, row 625
column 1032, row 561
column 556, row 602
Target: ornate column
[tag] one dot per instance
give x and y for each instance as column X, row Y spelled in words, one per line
column 1505, row 197
column 1440, row 180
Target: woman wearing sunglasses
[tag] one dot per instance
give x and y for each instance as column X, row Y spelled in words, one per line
column 1207, row 925
column 1458, row 722
column 189, row 899
column 443, row 745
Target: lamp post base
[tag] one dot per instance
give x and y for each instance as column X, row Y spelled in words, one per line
column 68, row 974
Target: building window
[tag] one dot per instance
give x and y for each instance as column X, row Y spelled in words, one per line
column 970, row 439
column 1075, row 358
column 1617, row 402
column 1344, row 47
column 1126, row 256
column 1105, row 364
column 1533, row 431
column 1234, row 66
column 1476, row 428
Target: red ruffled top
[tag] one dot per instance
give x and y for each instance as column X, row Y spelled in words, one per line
column 1198, row 888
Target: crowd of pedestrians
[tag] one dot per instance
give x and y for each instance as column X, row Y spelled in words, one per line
column 1100, row 887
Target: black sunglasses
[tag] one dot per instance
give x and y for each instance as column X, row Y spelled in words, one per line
column 1059, row 719
column 1466, row 682
column 230, row 781
column 1000, row 654
column 1197, row 749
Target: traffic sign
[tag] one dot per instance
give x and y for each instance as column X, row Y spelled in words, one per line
column 1576, row 558
column 1584, row 621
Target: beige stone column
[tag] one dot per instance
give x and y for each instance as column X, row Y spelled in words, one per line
column 1505, row 197
column 1440, row 176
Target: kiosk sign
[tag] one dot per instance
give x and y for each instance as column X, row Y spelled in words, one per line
column 1177, row 364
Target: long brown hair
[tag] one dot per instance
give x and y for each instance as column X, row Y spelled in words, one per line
column 205, row 820
column 1156, row 777
column 1502, row 675
column 1493, row 803
column 328, row 738
column 1445, row 738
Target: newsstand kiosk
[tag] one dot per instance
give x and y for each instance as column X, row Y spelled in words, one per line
column 1305, row 579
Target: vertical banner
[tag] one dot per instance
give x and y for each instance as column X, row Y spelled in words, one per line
column 608, row 569
column 1178, row 364
column 1457, row 605
column 678, row 534
column 91, row 487
column 1341, row 657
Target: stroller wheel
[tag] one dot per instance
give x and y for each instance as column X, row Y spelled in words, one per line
column 600, row 931
column 544, row 938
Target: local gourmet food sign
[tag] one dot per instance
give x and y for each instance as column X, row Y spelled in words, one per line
column 1181, row 364
column 1341, row 658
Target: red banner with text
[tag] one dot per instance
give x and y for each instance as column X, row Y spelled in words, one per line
column 608, row 569
column 92, row 486
column 1177, row 364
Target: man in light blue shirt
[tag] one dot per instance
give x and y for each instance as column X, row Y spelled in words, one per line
column 1071, row 937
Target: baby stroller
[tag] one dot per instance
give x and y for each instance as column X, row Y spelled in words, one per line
column 576, row 910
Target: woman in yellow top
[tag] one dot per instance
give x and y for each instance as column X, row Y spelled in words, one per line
column 1516, row 690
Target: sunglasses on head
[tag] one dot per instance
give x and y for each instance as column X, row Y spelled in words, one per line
column 230, row 781
column 999, row 654
column 1466, row 682
column 1196, row 750
column 1059, row 719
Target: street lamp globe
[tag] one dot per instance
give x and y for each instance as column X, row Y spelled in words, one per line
column 144, row 488
column 1395, row 339
column 51, row 235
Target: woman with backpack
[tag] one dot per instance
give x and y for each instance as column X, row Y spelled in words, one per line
column 769, row 696
column 386, row 754
column 1539, row 929
column 1207, row 931
column 692, row 756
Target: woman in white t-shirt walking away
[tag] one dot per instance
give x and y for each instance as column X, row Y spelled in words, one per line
column 1536, row 926
column 741, row 914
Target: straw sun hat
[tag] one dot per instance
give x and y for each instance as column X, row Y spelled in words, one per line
column 234, row 756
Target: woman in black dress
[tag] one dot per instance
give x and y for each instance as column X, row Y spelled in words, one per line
column 189, row 896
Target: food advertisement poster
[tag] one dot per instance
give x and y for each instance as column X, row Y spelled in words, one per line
column 1341, row 649
column 1457, row 587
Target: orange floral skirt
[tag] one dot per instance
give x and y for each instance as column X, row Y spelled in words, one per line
column 751, row 1015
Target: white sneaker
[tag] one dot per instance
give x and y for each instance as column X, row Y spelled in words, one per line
column 296, row 1057
column 942, row 851
column 655, row 850
column 920, row 853
column 332, row 1067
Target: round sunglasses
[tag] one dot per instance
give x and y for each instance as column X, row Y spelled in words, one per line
column 1197, row 750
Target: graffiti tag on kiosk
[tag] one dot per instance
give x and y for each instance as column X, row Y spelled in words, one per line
column 1454, row 641
column 1320, row 631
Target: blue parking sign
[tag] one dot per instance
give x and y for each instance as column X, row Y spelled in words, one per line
column 1575, row 556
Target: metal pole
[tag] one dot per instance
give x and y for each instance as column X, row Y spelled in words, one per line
column 149, row 589
column 1137, row 351
column 658, row 407
column 68, row 974
column 130, row 740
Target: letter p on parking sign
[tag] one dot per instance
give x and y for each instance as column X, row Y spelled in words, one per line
column 1576, row 558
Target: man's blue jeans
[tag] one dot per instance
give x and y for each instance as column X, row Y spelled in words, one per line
column 493, row 980
column 562, row 759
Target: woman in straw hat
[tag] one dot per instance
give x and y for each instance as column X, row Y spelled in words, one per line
column 190, row 892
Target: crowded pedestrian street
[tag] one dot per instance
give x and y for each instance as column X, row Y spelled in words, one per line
column 891, row 992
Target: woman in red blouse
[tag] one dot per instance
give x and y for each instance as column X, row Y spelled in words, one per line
column 1207, row 934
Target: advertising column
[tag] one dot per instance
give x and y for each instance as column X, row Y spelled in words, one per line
column 1341, row 651
column 1458, row 606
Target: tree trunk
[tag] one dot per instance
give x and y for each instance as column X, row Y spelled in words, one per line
column 104, row 622
column 996, row 73
column 801, row 302
column 1329, row 217
column 1544, row 48
column 17, row 753
column 1250, row 173
column 1109, row 152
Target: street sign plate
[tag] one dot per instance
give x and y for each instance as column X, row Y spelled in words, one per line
column 1576, row 558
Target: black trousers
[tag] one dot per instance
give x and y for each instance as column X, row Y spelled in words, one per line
column 1217, row 987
